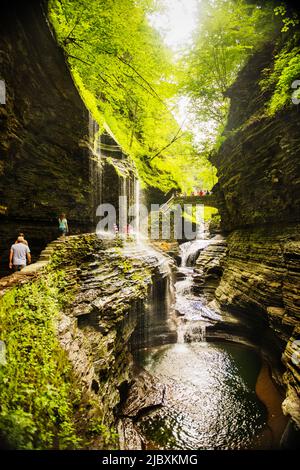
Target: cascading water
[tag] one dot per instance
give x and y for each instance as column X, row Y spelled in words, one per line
column 123, row 222
column 192, row 312
column 96, row 164
column 209, row 399
column 136, row 227
column 155, row 326
column 189, row 251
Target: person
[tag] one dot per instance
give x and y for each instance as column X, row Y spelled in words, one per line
column 19, row 255
column 21, row 234
column 116, row 229
column 63, row 225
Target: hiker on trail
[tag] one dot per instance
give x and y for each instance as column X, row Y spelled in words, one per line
column 21, row 234
column 19, row 255
column 63, row 225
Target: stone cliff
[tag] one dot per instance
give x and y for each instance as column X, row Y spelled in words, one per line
column 259, row 189
column 53, row 156
column 258, row 163
column 44, row 169
column 106, row 287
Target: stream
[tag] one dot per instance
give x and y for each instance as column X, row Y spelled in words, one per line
column 210, row 398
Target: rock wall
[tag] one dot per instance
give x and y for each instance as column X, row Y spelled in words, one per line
column 53, row 158
column 208, row 268
column 259, row 162
column 107, row 289
column 44, row 166
column 112, row 287
column 259, row 189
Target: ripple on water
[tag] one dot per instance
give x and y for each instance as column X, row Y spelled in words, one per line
column 210, row 400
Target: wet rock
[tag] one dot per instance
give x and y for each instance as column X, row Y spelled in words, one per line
column 109, row 297
column 42, row 130
column 209, row 269
column 145, row 393
column 291, row 378
column 129, row 436
column 258, row 275
column 47, row 137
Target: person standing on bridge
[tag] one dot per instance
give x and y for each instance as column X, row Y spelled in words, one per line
column 19, row 255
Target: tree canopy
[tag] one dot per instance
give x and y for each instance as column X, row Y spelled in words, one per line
column 228, row 32
column 131, row 81
column 126, row 76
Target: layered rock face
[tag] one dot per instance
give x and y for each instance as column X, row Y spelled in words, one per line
column 259, row 186
column 112, row 286
column 53, row 158
column 259, row 162
column 96, row 328
column 108, row 288
column 209, row 267
column 44, row 169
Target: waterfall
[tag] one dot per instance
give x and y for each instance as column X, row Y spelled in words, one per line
column 189, row 251
column 155, row 326
column 95, row 165
column 188, row 332
column 181, row 333
column 137, row 208
column 123, row 222
column 193, row 314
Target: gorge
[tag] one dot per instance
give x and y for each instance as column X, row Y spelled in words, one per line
column 113, row 341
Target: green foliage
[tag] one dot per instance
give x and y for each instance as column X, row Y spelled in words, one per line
column 228, row 32
column 130, row 81
column 286, row 70
column 75, row 251
column 36, row 387
column 289, row 19
column 126, row 77
column 110, row 437
column 286, row 66
column 208, row 214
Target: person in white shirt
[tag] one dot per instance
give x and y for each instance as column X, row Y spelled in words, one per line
column 19, row 255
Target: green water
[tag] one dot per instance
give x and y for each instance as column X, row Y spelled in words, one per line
column 210, row 400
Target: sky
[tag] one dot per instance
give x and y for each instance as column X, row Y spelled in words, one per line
column 177, row 22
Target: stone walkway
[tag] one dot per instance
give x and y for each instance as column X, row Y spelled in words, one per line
column 32, row 270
